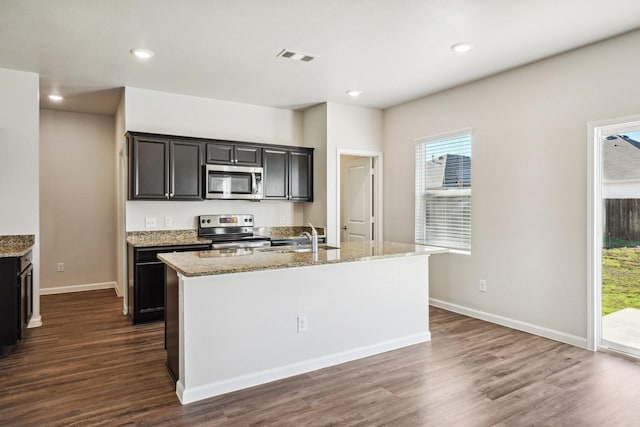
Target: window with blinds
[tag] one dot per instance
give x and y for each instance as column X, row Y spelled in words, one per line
column 443, row 191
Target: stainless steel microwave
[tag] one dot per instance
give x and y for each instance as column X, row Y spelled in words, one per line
column 233, row 182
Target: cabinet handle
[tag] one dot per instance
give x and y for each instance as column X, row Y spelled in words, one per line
column 172, row 194
column 166, row 195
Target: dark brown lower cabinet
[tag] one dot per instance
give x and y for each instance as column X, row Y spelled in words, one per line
column 16, row 301
column 146, row 289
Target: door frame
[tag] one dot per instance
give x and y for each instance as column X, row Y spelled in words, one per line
column 595, row 132
column 377, row 156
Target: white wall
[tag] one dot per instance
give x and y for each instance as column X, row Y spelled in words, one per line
column 77, row 201
column 348, row 128
column 529, row 229
column 19, row 137
column 315, row 135
column 267, row 213
column 174, row 114
column 121, row 165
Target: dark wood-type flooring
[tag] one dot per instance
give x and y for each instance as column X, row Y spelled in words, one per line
column 88, row 366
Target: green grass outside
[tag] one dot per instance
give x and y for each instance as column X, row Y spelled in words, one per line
column 621, row 277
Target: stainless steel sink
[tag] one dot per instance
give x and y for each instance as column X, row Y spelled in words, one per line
column 296, row 249
column 307, row 249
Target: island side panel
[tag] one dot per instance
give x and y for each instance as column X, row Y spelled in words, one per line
column 239, row 330
column 172, row 322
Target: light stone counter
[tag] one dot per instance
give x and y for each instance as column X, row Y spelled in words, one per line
column 205, row 263
column 164, row 238
column 16, row 245
column 190, row 237
column 286, row 232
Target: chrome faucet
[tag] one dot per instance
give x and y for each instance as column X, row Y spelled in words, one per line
column 313, row 238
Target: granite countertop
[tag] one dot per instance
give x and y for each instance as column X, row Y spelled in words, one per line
column 190, row 237
column 204, row 263
column 164, row 238
column 16, row 245
column 286, row 232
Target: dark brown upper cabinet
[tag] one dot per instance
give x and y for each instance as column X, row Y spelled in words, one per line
column 301, row 175
column 225, row 153
column 164, row 169
column 288, row 174
column 276, row 173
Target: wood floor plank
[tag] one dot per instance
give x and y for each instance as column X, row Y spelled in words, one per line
column 88, row 365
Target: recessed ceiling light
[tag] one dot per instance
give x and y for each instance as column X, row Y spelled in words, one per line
column 354, row 92
column 461, row 47
column 55, row 98
column 142, row 53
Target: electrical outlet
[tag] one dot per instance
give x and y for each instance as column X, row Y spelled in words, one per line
column 168, row 221
column 283, row 220
column 60, row 266
column 482, row 286
column 150, row 222
column 303, row 323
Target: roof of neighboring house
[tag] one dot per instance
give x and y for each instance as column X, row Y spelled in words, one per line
column 449, row 171
column 621, row 159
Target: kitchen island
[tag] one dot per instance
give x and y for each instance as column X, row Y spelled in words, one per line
column 239, row 318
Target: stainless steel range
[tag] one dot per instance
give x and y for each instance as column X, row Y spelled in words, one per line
column 230, row 231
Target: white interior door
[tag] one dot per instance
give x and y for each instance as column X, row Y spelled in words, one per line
column 357, row 201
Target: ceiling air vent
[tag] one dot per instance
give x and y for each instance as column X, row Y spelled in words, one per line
column 298, row 56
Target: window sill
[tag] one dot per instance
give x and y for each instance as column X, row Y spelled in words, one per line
column 459, row 252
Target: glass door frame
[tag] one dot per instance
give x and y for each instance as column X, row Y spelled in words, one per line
column 596, row 131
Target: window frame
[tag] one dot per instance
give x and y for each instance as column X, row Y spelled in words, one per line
column 419, row 203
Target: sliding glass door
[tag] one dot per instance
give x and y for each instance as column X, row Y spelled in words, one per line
column 620, row 238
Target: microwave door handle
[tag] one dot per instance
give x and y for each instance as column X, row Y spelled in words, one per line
column 254, row 188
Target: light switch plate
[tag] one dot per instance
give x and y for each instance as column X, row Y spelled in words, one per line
column 168, row 221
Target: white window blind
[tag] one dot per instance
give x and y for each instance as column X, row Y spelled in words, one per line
column 443, row 191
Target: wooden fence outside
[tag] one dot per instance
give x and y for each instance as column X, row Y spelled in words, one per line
column 623, row 219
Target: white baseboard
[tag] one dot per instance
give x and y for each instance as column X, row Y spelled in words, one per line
column 35, row 322
column 79, row 288
column 189, row 395
column 512, row 323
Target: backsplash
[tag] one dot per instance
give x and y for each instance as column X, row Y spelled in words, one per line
column 184, row 215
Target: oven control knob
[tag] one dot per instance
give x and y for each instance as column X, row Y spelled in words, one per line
column 208, row 221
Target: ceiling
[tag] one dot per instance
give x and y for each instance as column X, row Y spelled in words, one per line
column 393, row 51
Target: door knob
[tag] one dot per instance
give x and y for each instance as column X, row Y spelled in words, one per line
column 344, row 227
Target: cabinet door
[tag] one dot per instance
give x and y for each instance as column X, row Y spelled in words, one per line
column 9, row 303
column 301, row 176
column 219, row 153
column 185, row 171
column 276, row 173
column 149, row 168
column 149, row 295
column 246, row 155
